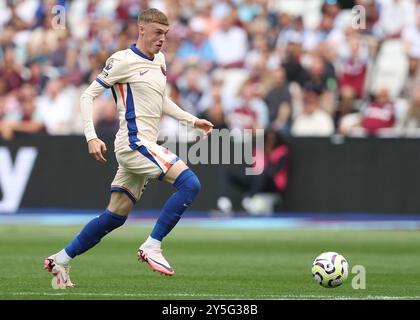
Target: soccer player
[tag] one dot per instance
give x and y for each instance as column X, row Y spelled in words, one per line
column 137, row 78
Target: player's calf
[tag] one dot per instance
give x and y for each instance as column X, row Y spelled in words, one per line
column 188, row 186
column 94, row 231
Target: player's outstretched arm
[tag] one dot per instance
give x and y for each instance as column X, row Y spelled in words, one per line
column 204, row 125
column 170, row 108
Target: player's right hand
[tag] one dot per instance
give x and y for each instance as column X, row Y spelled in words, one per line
column 97, row 150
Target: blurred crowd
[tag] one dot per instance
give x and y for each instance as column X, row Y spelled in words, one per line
column 298, row 67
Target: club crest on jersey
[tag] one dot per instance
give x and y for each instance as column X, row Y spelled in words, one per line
column 163, row 70
column 109, row 65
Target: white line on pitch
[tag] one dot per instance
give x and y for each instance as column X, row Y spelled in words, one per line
column 233, row 296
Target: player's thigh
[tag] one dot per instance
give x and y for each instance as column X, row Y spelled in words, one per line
column 169, row 164
column 149, row 160
column 126, row 189
column 153, row 161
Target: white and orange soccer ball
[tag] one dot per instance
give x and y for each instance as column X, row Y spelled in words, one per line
column 330, row 269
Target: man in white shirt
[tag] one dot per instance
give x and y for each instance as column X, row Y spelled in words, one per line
column 313, row 121
column 229, row 43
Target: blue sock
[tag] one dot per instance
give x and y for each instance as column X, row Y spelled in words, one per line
column 188, row 186
column 93, row 232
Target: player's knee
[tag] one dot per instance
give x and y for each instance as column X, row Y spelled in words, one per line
column 193, row 187
column 188, row 182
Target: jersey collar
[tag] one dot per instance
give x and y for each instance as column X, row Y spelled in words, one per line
column 141, row 54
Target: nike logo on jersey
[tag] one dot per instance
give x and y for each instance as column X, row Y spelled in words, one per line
column 163, row 70
column 142, row 73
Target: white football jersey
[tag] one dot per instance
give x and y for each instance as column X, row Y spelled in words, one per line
column 138, row 84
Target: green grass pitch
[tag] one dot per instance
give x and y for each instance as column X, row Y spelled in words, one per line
column 210, row 264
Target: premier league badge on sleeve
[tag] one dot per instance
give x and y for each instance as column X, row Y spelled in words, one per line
column 109, row 65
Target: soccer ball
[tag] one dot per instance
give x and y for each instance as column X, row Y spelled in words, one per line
column 330, row 269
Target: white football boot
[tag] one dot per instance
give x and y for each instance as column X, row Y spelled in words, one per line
column 61, row 273
column 155, row 259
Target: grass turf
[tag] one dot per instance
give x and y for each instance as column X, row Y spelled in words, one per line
column 210, row 264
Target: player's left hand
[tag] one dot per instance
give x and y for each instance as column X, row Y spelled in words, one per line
column 204, row 125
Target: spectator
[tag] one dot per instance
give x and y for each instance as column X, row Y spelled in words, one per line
column 319, row 50
column 56, row 108
column 378, row 114
column 247, row 110
column 204, row 14
column 248, row 10
column 272, row 166
column 27, row 120
column 292, row 63
column 11, row 104
column 322, row 80
column 192, row 86
column 57, row 57
column 44, row 38
column 372, row 14
column 374, row 116
column 258, row 57
column 11, row 70
column 197, row 49
column 313, row 120
column 38, row 78
column 353, row 68
column 394, row 16
column 289, row 30
column 279, row 102
column 236, row 37
column 213, row 107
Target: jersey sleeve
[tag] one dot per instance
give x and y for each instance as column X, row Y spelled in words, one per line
column 171, row 109
column 115, row 70
column 86, row 108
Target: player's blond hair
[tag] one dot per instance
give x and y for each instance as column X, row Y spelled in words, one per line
column 153, row 15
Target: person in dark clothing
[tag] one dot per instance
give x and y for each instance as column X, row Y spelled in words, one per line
column 273, row 165
column 292, row 65
column 279, row 102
